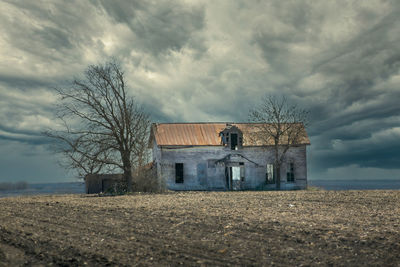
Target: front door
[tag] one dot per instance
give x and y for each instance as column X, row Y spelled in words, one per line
column 233, row 176
column 236, row 183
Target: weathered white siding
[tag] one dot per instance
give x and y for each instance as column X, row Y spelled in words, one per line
column 200, row 172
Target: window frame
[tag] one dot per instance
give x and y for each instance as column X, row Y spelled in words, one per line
column 242, row 171
column 290, row 177
column 234, row 143
column 179, row 179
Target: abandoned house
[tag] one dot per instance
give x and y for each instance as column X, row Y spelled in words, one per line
column 223, row 156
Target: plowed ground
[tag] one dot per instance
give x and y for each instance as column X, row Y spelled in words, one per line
column 345, row 228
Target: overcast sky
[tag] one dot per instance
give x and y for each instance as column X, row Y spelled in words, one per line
column 190, row 61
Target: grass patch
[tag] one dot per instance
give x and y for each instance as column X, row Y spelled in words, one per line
column 315, row 188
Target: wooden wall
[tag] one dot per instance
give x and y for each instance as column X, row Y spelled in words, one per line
column 201, row 172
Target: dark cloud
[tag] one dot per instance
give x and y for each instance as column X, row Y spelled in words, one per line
column 158, row 26
column 212, row 61
column 19, row 82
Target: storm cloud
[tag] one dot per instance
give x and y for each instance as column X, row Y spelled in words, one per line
column 211, row 61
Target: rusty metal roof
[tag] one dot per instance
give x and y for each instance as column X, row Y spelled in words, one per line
column 207, row 134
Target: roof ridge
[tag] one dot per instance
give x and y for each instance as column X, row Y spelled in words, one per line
column 222, row 122
column 201, row 122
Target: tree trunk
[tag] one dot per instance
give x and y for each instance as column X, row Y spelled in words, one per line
column 127, row 171
column 277, row 166
column 278, row 177
column 128, row 180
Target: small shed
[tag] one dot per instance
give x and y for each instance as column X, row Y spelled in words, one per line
column 97, row 183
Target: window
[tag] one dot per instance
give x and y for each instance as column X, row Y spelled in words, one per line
column 290, row 172
column 234, row 141
column 241, row 164
column 179, row 173
column 270, row 179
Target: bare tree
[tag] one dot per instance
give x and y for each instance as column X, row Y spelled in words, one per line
column 280, row 124
column 102, row 128
column 80, row 152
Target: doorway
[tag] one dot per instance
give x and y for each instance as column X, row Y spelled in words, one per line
column 234, row 141
column 234, row 176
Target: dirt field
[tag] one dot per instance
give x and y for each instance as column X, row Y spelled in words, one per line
column 347, row 228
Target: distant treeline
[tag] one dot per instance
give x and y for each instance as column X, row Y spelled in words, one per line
column 13, row 186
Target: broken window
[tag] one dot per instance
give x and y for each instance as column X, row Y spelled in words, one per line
column 179, row 173
column 290, row 172
column 223, row 138
column 270, row 179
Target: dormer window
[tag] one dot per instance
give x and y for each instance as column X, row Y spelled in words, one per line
column 232, row 137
